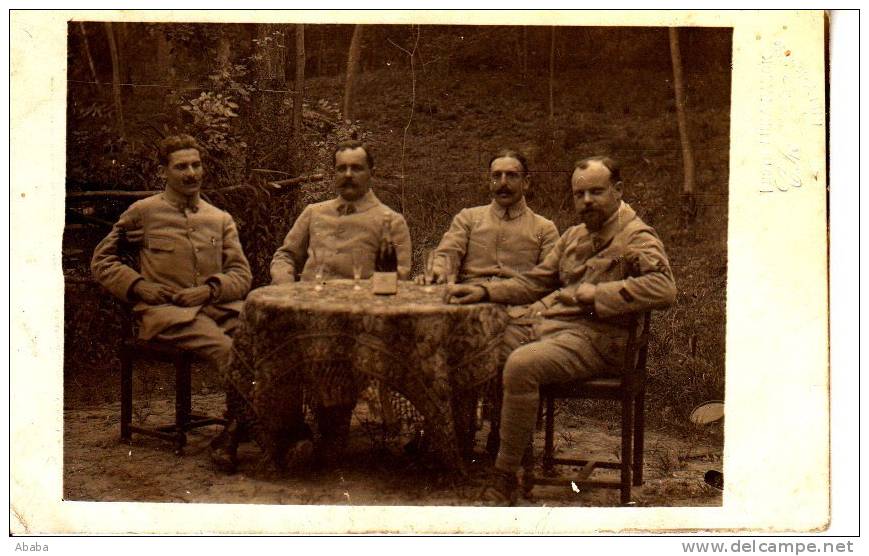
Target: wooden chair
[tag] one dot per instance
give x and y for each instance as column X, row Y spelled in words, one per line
column 132, row 349
column 629, row 388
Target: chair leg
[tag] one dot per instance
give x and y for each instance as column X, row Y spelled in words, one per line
column 126, row 394
column 528, row 469
column 627, row 453
column 464, row 415
column 183, row 402
column 639, row 436
column 540, row 415
column 549, row 437
column 493, row 442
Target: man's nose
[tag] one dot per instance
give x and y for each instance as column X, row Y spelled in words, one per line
column 586, row 198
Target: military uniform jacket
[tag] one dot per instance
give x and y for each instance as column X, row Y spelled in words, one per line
column 625, row 260
column 332, row 230
column 179, row 246
column 493, row 241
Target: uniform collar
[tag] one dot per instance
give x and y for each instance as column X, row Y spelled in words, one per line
column 613, row 224
column 369, row 200
column 512, row 212
column 181, row 202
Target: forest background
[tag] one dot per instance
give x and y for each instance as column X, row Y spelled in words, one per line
column 269, row 101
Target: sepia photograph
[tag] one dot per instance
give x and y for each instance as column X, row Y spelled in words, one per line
column 577, row 176
column 318, row 261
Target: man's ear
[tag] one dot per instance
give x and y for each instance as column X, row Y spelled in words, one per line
column 618, row 187
column 528, row 189
column 161, row 171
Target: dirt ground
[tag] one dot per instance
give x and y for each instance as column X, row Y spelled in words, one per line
column 99, row 467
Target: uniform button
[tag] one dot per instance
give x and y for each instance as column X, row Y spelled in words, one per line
column 192, row 229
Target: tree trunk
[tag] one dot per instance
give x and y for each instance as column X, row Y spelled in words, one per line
column 524, row 53
column 87, row 52
column 272, row 62
column 116, row 79
column 322, row 53
column 223, row 52
column 352, row 69
column 552, row 76
column 550, row 131
column 122, row 41
column 165, row 68
column 299, row 87
column 688, row 204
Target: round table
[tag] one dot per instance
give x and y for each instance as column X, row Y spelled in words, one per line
column 435, row 355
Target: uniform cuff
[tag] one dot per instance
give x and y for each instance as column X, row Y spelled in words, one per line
column 611, row 298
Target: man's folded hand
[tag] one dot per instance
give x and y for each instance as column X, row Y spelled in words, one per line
column 463, row 294
column 153, row 293
column 581, row 294
column 190, row 297
column 283, row 278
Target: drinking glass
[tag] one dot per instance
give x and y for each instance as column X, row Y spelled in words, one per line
column 428, row 271
column 451, row 268
column 319, row 264
column 357, row 257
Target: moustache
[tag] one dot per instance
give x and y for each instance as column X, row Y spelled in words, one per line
column 190, row 181
column 590, row 215
column 348, row 182
column 503, row 190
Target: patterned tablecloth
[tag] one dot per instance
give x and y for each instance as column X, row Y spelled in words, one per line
column 329, row 341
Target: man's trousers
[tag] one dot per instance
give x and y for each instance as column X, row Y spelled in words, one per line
column 545, row 351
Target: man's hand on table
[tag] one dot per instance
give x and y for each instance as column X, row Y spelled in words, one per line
column 287, row 277
column 435, row 279
column 153, row 293
column 462, row 294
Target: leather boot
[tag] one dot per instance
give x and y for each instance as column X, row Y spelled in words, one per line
column 224, row 448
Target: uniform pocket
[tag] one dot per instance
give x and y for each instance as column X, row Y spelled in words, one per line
column 217, row 250
column 160, row 243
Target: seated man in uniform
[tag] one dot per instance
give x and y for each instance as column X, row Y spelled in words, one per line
column 499, row 240
column 608, row 266
column 192, row 274
column 327, row 236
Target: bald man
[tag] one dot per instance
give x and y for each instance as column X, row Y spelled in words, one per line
column 600, row 271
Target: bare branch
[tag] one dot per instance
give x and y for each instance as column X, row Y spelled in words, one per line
column 399, row 47
column 410, row 118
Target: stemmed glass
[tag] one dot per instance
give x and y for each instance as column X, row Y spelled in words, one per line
column 319, row 264
column 356, row 256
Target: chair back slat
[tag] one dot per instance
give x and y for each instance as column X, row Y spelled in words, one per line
column 128, row 252
column 634, row 363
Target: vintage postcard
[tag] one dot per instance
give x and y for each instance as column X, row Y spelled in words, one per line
column 568, row 170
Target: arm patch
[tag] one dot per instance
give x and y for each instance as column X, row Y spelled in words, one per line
column 626, row 295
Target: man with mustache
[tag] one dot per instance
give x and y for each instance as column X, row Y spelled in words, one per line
column 608, row 266
column 192, row 272
column 327, row 236
column 333, row 229
column 501, row 239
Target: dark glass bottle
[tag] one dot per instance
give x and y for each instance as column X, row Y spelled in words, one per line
column 386, row 259
column 385, row 278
